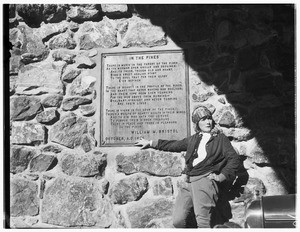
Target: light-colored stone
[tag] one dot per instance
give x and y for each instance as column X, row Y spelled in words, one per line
column 84, row 165
column 76, row 202
column 129, row 189
column 37, row 79
column 68, row 131
column 146, row 213
column 153, row 162
column 27, row 133
column 23, row 198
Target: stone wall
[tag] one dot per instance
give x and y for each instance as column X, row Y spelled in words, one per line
column 241, row 65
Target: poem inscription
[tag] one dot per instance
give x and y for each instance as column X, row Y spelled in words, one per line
column 144, row 95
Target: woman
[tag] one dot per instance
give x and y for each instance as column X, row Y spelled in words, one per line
column 210, row 160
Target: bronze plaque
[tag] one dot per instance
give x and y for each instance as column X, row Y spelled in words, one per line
column 144, row 94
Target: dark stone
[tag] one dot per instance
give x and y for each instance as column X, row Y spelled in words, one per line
column 23, row 198
column 20, row 158
column 72, row 103
column 223, row 62
column 264, row 81
column 68, row 131
column 48, row 116
column 153, row 162
column 42, row 163
column 128, row 189
column 31, row 13
column 201, row 55
column 53, row 100
column 54, row 13
column 76, row 202
column 83, row 165
column 181, row 30
column 247, row 58
column 24, row 108
column 144, row 214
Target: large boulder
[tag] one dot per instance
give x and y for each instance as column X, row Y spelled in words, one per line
column 76, row 202
column 42, row 78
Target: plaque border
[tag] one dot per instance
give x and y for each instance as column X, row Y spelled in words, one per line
column 103, row 55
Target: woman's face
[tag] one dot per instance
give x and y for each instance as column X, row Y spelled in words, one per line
column 205, row 124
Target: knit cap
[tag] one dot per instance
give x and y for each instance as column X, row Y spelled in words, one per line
column 199, row 113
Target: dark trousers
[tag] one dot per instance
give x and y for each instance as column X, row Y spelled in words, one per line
column 200, row 195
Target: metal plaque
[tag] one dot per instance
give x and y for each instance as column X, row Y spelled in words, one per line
column 144, row 94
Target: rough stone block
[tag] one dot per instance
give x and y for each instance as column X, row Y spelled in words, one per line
column 141, row 33
column 53, row 100
column 42, row 163
column 48, row 116
column 81, row 13
column 24, row 108
column 37, row 79
column 163, row 187
column 70, row 73
column 27, row 133
column 64, row 40
column 20, row 158
column 23, row 198
column 68, row 131
column 152, row 162
column 76, row 202
column 129, row 189
column 145, row 214
column 72, row 103
column 83, row 85
column 83, row 165
column 101, row 34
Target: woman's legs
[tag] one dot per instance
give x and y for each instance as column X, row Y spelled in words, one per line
column 205, row 195
column 183, row 207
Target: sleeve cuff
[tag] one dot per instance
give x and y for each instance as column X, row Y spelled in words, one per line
column 153, row 143
column 222, row 177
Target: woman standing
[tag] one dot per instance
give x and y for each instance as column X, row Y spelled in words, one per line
column 210, row 160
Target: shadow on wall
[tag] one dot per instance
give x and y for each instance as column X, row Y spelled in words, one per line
column 247, row 53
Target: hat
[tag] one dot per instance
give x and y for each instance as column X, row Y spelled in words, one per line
column 199, row 113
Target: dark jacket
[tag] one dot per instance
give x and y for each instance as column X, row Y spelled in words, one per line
column 221, row 156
